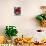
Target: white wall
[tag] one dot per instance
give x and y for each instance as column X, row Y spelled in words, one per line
column 26, row 23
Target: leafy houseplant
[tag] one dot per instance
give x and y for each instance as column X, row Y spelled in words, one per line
column 42, row 19
column 11, row 31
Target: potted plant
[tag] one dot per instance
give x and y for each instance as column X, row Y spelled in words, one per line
column 42, row 17
column 10, row 31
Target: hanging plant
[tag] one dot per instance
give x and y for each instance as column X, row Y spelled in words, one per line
column 42, row 19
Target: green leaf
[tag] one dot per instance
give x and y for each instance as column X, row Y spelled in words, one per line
column 40, row 18
column 45, row 16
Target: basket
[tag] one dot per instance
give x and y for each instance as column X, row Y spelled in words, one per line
column 43, row 23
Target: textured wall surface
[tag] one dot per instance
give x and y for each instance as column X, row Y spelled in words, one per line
column 26, row 23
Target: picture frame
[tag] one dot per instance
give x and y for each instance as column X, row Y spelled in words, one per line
column 17, row 10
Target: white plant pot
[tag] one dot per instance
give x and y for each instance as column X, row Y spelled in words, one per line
column 8, row 41
column 13, row 37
